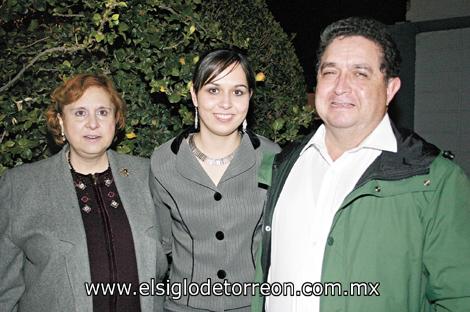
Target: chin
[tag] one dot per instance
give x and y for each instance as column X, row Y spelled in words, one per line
column 223, row 131
column 98, row 151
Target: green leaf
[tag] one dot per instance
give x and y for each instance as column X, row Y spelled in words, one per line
column 278, row 124
column 174, row 98
column 10, row 144
column 27, row 154
column 99, row 37
column 175, row 72
column 124, row 149
column 96, row 19
column 123, row 27
column 115, row 17
column 33, row 25
column 23, row 142
column 27, row 125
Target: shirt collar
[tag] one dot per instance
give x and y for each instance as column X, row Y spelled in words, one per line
column 382, row 138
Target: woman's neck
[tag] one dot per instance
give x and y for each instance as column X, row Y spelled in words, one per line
column 216, row 146
column 88, row 165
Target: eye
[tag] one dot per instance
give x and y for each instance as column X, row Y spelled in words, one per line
column 328, row 73
column 213, row 90
column 239, row 92
column 360, row 74
column 103, row 112
column 80, row 113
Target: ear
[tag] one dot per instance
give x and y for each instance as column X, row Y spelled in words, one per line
column 194, row 97
column 393, row 85
column 251, row 94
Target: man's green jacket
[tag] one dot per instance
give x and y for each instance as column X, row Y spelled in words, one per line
column 404, row 229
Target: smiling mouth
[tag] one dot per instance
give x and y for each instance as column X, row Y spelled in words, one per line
column 342, row 104
column 92, row 137
column 223, row 117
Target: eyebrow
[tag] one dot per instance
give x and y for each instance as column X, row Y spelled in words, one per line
column 327, row 64
column 236, row 86
column 355, row 66
column 99, row 107
column 363, row 66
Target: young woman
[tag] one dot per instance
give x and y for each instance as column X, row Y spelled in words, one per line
column 205, row 187
column 82, row 216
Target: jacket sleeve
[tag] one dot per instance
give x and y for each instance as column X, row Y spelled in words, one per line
column 163, row 214
column 11, row 256
column 446, row 253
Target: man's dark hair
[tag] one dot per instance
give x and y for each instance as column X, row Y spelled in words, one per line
column 369, row 29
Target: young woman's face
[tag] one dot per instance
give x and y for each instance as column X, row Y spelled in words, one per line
column 223, row 103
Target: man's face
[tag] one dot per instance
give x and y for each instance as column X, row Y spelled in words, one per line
column 352, row 94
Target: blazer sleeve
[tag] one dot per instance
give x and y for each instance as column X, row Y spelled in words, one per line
column 163, row 214
column 11, row 256
column 446, row 250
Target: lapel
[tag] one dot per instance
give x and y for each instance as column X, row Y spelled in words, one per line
column 73, row 232
column 139, row 207
column 188, row 166
column 243, row 160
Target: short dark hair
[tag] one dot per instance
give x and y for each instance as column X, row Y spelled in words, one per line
column 369, row 29
column 214, row 62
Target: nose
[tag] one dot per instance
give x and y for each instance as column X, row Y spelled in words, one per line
column 92, row 121
column 342, row 84
column 226, row 100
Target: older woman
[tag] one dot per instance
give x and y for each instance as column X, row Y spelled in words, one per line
column 205, row 183
column 82, row 217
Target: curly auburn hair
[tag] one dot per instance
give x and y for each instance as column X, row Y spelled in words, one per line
column 71, row 90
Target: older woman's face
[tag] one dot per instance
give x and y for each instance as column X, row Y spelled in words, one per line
column 89, row 123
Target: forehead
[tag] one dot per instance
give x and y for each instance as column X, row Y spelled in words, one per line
column 353, row 50
column 232, row 74
column 93, row 97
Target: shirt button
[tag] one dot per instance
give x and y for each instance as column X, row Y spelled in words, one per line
column 221, row 274
column 219, row 235
column 217, row 196
column 330, row 241
column 267, row 228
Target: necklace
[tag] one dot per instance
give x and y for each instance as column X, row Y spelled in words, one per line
column 204, row 158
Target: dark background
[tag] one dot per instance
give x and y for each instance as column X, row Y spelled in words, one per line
column 306, row 19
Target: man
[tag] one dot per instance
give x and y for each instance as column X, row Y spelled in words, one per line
column 377, row 212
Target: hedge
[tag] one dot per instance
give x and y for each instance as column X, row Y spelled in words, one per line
column 149, row 49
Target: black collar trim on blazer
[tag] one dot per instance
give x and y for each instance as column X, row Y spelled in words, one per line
column 175, row 145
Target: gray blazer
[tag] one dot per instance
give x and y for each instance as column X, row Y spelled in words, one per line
column 43, row 250
column 212, row 231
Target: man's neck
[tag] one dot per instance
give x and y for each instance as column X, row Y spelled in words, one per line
column 338, row 141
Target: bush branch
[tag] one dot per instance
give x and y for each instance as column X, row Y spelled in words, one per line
column 37, row 41
column 63, row 49
column 68, row 15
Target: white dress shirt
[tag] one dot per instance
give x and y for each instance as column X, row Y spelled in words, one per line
column 313, row 192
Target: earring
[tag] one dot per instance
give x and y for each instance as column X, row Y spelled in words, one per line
column 62, row 134
column 244, row 125
column 196, row 118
